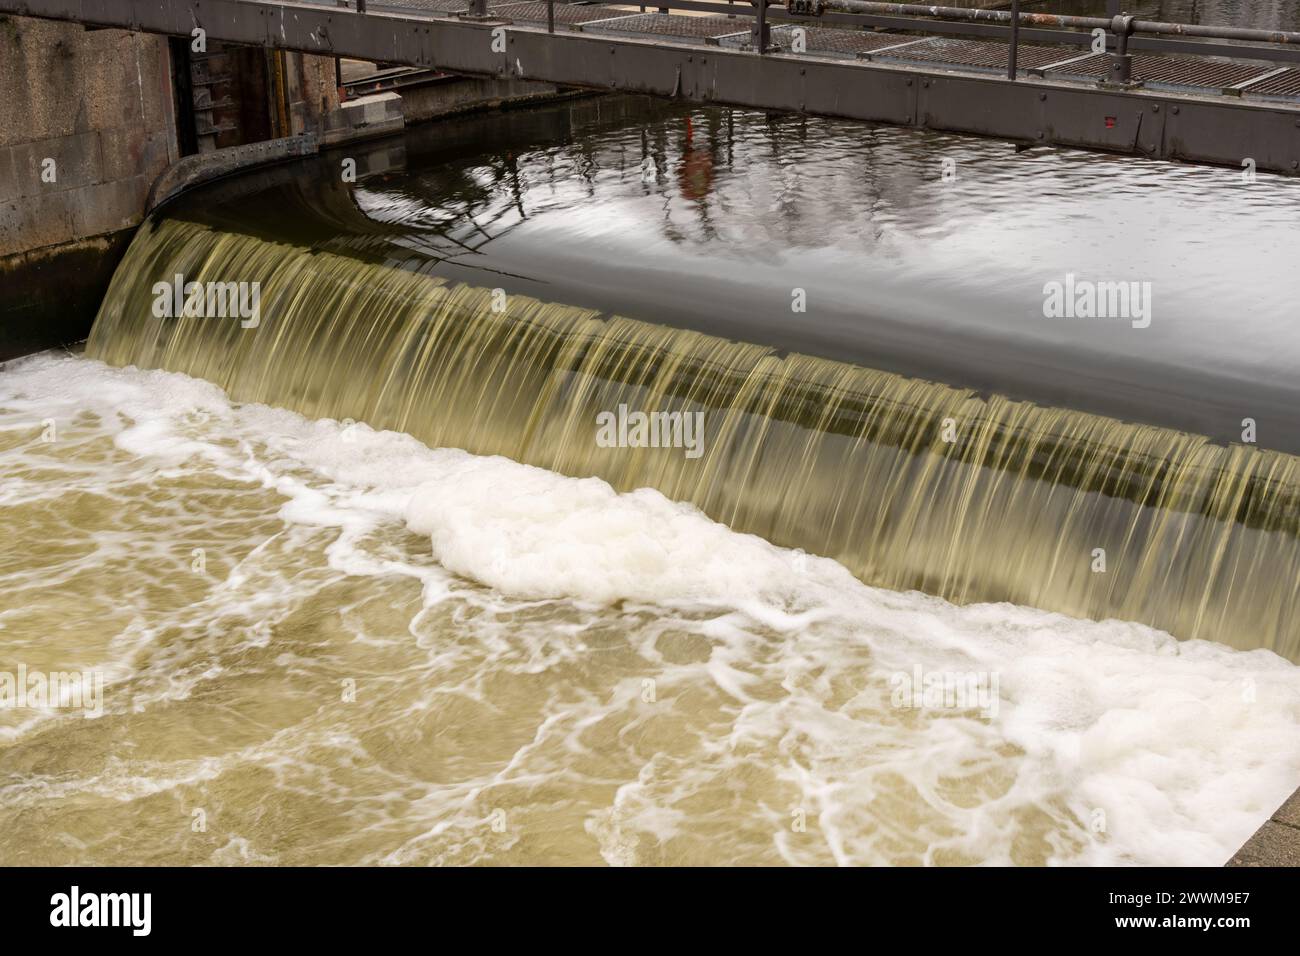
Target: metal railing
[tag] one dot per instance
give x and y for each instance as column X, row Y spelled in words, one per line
column 1118, row 31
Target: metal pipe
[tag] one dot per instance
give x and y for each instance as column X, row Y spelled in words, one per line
column 1050, row 19
column 1215, row 33
column 960, row 13
column 1120, row 68
column 550, row 16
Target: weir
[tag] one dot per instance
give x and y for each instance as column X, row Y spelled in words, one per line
column 909, row 483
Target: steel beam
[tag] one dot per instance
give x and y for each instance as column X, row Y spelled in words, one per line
column 1205, row 129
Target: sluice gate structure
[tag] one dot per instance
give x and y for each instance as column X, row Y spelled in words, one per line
column 1206, row 94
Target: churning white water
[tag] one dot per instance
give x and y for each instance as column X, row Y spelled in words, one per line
column 329, row 644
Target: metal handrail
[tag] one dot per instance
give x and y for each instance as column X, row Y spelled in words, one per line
column 1050, row 27
column 1014, row 50
column 1154, row 27
column 816, row 8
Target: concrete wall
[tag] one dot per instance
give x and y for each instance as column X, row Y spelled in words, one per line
column 99, row 104
column 1277, row 842
column 102, row 105
column 444, row 99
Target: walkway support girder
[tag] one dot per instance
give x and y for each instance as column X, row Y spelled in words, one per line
column 1216, row 129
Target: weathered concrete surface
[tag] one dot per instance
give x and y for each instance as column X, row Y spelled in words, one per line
column 445, row 99
column 99, row 105
column 87, row 125
column 1277, row 842
column 205, row 167
column 365, row 117
column 50, row 296
column 383, row 114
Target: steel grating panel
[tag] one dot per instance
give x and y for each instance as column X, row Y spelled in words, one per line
column 670, row 25
column 425, row 6
column 564, row 12
column 979, row 54
column 1184, row 71
column 822, row 41
column 1173, row 71
column 1071, row 64
column 847, row 42
column 1286, row 83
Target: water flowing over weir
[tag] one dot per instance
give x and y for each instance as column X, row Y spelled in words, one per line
column 1201, row 540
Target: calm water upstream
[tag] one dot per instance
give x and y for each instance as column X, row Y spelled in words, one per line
column 711, row 219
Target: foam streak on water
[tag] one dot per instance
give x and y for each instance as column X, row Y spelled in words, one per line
column 501, row 624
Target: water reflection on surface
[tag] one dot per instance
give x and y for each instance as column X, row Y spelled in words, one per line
column 712, row 218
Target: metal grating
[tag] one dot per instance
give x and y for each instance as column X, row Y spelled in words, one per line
column 1071, row 63
column 739, row 39
column 821, row 41
column 1284, row 84
column 1212, row 73
column 669, row 25
column 429, row 6
column 978, row 54
column 847, row 42
column 1174, row 71
column 1152, row 69
column 564, row 12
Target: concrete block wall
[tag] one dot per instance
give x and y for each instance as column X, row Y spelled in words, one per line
column 99, row 104
column 379, row 114
column 430, row 102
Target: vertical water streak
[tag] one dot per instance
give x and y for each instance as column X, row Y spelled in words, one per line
column 910, row 484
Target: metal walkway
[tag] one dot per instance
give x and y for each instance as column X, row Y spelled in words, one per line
column 1193, row 74
column 1159, row 90
column 1197, row 74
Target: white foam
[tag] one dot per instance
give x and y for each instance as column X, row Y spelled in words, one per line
column 1179, row 749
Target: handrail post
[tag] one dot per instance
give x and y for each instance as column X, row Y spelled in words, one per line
column 1015, row 40
column 550, row 16
column 1120, row 69
column 761, row 35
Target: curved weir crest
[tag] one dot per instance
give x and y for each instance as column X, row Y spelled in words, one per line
column 908, row 483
